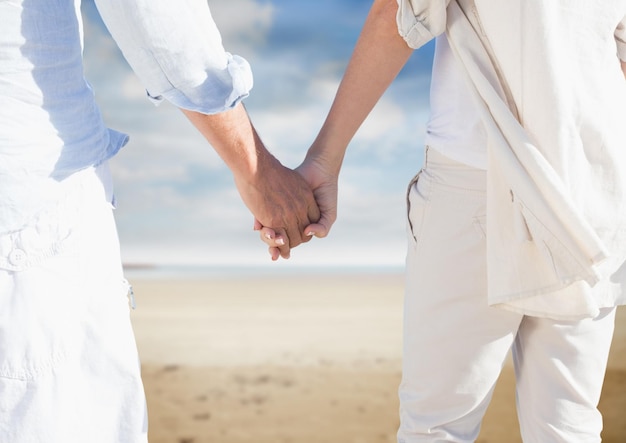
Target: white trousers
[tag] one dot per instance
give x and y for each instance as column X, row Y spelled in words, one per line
column 455, row 345
column 69, row 370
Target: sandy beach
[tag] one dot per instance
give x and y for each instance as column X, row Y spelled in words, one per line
column 289, row 358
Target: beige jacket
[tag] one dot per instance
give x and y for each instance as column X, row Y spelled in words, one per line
column 548, row 83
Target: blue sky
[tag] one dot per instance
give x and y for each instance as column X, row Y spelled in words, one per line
column 177, row 203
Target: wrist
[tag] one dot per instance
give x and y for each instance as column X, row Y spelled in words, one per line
column 326, row 157
column 256, row 166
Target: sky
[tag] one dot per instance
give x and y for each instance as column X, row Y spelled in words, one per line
column 177, row 203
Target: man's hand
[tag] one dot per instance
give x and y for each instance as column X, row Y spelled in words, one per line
column 324, row 186
column 281, row 199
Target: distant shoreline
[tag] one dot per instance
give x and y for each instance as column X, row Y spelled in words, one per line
column 151, row 271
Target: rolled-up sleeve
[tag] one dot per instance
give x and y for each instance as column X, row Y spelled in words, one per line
column 620, row 38
column 419, row 21
column 176, row 50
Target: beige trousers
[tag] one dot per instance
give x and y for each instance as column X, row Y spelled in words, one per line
column 455, row 345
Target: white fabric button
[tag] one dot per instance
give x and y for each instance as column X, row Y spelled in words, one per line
column 17, row 257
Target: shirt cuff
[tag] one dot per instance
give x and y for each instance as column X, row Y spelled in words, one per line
column 218, row 93
column 621, row 50
column 412, row 29
column 620, row 39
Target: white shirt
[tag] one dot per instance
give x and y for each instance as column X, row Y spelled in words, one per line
column 455, row 126
column 50, row 125
column 546, row 79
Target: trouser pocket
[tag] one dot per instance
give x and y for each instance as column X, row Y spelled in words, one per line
column 417, row 205
column 41, row 311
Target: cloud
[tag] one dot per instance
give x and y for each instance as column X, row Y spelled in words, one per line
column 249, row 30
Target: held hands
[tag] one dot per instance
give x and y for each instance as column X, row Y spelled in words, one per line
column 280, row 197
column 324, row 186
column 277, row 196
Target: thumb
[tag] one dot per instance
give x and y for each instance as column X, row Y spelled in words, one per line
column 319, row 229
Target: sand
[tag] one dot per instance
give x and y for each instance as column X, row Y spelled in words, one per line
column 307, row 359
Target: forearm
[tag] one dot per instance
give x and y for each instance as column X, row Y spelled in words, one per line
column 234, row 138
column 623, row 67
column 378, row 57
